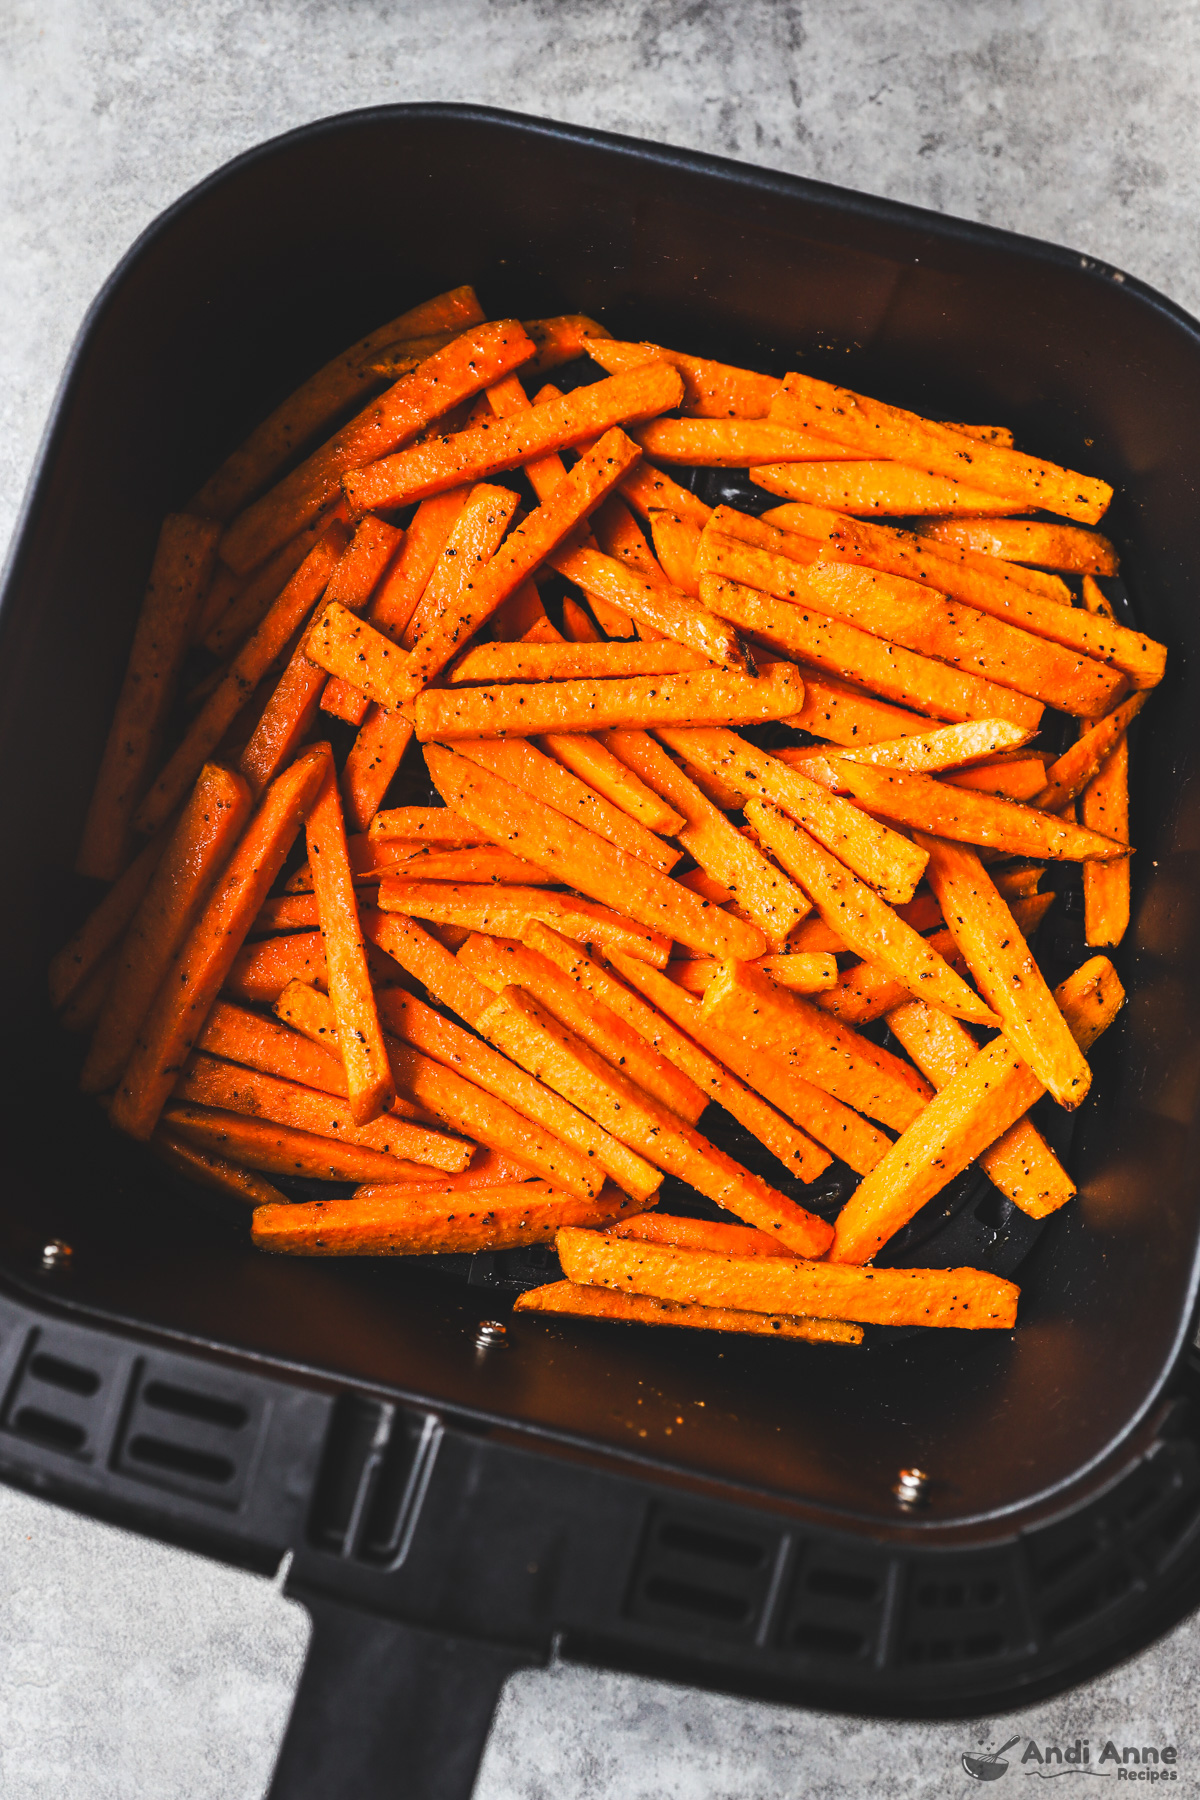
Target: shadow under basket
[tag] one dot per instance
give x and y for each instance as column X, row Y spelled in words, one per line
column 713, row 1510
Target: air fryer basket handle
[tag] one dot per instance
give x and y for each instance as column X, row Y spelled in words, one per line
column 387, row 1711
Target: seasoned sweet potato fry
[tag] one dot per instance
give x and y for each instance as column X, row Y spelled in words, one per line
column 535, row 1039
column 353, row 651
column 502, row 911
column 711, row 696
column 498, row 963
column 429, row 863
column 711, row 389
column 429, row 962
column 1020, row 1163
column 204, row 734
column 832, row 1123
column 1069, row 775
column 377, row 1223
column 878, row 855
column 501, row 444
column 1104, row 807
column 665, row 610
column 700, row 1234
column 321, row 398
column 1026, row 541
column 732, row 443
column 875, row 489
column 841, row 714
column 105, row 925
column 246, row 610
column 949, row 747
column 962, row 1297
column 464, row 367
column 256, row 1042
column 182, row 562
column 585, row 860
column 281, row 1150
column 415, row 825
column 199, row 847
column 373, row 760
column 805, row 972
column 598, row 763
column 677, row 547
column 572, row 662
column 999, row 958
column 369, row 1085
column 1022, row 779
column 971, row 818
column 260, row 972
column 812, row 405
column 865, row 923
column 474, row 538
column 211, row 1171
column 797, row 1152
column 206, row 956
column 975, row 1107
column 886, row 669
column 581, row 1302
column 650, row 490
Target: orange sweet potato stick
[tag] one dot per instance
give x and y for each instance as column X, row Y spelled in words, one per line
column 465, row 367
column 1069, row 775
column 103, row 928
column 369, row 1083
column 1105, row 808
column 1025, row 541
column 288, row 715
column 318, row 402
column 182, row 563
column 733, row 443
column 699, row 1234
column 282, row 1150
column 677, row 546
column 204, row 734
column 853, row 419
column 501, row 444
column 649, row 490
column 712, row 390
column 664, row 609
column 841, row 714
column 372, row 762
column 212, row 1171
column 501, row 910
column 206, row 956
column 581, row 1302
column 245, row 612
column 876, row 489
column 86, row 1000
column 260, row 972
column 596, row 762
column 490, row 663
column 199, row 847
column 473, row 540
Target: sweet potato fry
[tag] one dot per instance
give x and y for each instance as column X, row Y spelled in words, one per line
column 444, row 1093
column 584, row 860
column 498, row 963
column 435, row 967
column 375, row 1223
column 373, row 760
column 206, row 956
column 281, row 1150
column 1026, row 541
column 240, row 1036
column 866, row 990
column 429, row 863
column 486, row 1169
column 580, row 628
column 317, row 403
column 527, row 545
column 464, row 367
column 1035, row 581
column 574, row 797
column 105, row 925
column 618, row 534
column 768, row 1284
column 732, row 443
column 906, row 613
column 650, row 490
column 502, row 911
column 811, row 405
column 182, row 562
column 260, row 972
column 199, row 847
column 247, row 609
column 875, row 489
column 369, row 1085
column 667, row 611
column 865, row 922
column 992, row 590
column 881, row 857
column 473, row 541
column 584, row 1152
column 641, row 702
column 369, row 859
column 762, row 892
column 948, row 747
column 797, row 1152
column 1069, row 775
column 1020, row 1163
column 1022, row 779
column 836, row 1126
column 535, row 1039
column 209, row 1081
column 805, row 972
column 975, row 1107
column 501, row 444
column 1105, row 807
column 415, row 825
column 572, row 662
column 700, row 1234
column 999, row 958
column 599, row 765
column 204, row 734
column 581, row 1302
column 353, row 651
column 286, row 912
column 972, row 818
column 886, row 669
column 841, row 714
column 677, row 546
column 712, row 390
column 213, row 1171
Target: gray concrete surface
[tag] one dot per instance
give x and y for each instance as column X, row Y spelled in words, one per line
column 127, row 1670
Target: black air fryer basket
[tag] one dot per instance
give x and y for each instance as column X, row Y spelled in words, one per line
column 717, row 1510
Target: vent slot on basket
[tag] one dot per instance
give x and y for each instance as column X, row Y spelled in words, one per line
column 836, row 1605
column 65, row 1392
column 373, row 1472
column 964, row 1611
column 195, row 1440
column 698, row 1574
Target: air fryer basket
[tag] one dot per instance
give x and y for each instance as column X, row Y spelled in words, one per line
column 669, row 1501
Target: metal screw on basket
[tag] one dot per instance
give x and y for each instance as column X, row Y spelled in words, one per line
column 55, row 1254
column 910, row 1489
column 491, row 1335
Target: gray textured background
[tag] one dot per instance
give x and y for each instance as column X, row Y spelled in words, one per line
column 128, row 1670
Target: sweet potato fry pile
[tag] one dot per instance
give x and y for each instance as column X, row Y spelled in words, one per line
column 486, row 816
